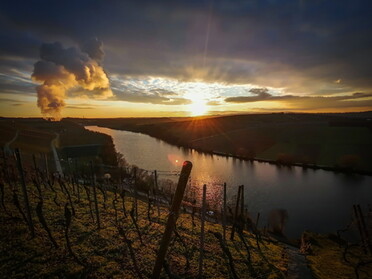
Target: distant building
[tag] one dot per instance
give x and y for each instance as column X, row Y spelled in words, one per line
column 81, row 152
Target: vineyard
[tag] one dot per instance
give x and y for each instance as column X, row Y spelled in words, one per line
column 92, row 224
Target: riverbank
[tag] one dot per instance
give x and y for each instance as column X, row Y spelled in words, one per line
column 279, row 163
column 332, row 142
column 267, row 187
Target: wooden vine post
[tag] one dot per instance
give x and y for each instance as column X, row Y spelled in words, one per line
column 242, row 201
column 46, row 165
column 172, row 218
column 236, row 214
column 135, row 205
column 157, row 198
column 202, row 233
column 95, row 197
column 224, row 212
column 25, row 195
column 241, row 220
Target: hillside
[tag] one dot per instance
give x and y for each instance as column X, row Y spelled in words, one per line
column 124, row 245
column 336, row 141
column 34, row 136
column 106, row 230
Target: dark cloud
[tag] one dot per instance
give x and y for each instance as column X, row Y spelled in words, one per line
column 309, row 102
column 260, row 94
column 45, row 70
column 265, row 96
column 9, row 100
column 79, row 107
column 17, row 43
column 94, row 48
column 9, row 64
column 302, row 46
column 150, row 97
column 163, row 92
column 15, row 83
column 130, row 91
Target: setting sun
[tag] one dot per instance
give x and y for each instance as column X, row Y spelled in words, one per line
column 198, row 107
column 198, row 93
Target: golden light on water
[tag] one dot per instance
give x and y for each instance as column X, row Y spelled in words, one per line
column 175, row 159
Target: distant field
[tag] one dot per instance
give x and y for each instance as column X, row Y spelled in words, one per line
column 339, row 141
column 35, row 136
column 328, row 146
column 7, row 134
column 25, row 138
column 33, row 141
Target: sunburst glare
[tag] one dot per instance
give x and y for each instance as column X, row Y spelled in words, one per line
column 198, row 107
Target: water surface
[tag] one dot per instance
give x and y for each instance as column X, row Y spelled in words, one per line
column 316, row 200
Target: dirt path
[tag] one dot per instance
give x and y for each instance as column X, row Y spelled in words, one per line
column 7, row 145
column 55, row 154
column 297, row 264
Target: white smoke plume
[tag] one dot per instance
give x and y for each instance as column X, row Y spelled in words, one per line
column 61, row 70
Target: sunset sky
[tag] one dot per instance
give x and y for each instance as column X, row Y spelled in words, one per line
column 183, row 58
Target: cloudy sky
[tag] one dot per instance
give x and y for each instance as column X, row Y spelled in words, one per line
column 178, row 58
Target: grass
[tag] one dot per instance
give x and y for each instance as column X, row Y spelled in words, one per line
column 327, row 261
column 105, row 251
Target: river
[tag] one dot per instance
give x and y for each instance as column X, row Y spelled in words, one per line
column 316, row 200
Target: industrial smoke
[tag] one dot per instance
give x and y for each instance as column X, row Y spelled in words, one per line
column 63, row 71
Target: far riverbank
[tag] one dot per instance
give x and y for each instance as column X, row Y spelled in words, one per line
column 278, row 163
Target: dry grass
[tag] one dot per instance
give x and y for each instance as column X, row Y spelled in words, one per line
column 327, row 261
column 106, row 254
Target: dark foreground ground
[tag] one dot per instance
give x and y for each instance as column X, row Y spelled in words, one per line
column 125, row 245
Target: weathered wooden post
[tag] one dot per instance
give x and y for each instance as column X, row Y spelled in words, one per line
column 242, row 201
column 34, row 160
column 135, row 205
column 95, row 197
column 363, row 229
column 241, row 219
column 202, row 234
column 114, row 202
column 77, row 187
column 172, row 218
column 224, row 212
column 236, row 214
column 46, row 165
column 5, row 168
column 76, row 166
column 366, row 234
column 36, row 171
column 157, row 193
column 257, row 220
column 25, row 195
